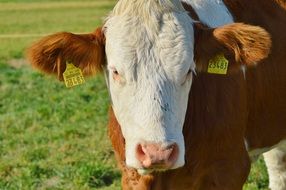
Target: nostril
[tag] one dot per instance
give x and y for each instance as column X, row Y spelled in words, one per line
column 173, row 155
column 139, row 151
column 157, row 155
column 142, row 156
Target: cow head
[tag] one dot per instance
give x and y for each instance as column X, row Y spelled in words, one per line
column 147, row 49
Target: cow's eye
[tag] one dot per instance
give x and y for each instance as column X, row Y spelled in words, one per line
column 188, row 76
column 115, row 74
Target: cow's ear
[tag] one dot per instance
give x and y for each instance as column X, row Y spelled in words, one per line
column 241, row 44
column 86, row 51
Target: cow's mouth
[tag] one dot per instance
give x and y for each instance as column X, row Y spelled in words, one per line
column 144, row 171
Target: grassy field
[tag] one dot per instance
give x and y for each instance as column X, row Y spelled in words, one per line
column 52, row 137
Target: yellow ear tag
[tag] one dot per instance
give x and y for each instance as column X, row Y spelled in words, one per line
column 72, row 76
column 218, row 65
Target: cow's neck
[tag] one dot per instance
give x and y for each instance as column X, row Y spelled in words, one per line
column 212, row 13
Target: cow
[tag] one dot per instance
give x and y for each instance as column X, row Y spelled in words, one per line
column 197, row 89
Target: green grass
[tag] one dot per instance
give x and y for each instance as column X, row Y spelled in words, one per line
column 44, row 17
column 52, row 137
column 258, row 178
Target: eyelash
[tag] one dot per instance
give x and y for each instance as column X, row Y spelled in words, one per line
column 116, row 76
column 115, row 72
column 187, row 76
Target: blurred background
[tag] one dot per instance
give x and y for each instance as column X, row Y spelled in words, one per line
column 52, row 137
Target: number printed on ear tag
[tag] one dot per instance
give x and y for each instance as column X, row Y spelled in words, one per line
column 218, row 65
column 72, row 76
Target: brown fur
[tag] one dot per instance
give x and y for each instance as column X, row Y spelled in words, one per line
column 241, row 43
column 248, row 43
column 267, row 82
column 86, row 51
column 281, row 3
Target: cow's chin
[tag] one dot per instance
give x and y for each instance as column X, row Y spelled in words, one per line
column 148, row 171
column 144, row 171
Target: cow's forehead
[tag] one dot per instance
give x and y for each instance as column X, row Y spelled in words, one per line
column 145, row 7
column 130, row 16
column 167, row 40
column 131, row 43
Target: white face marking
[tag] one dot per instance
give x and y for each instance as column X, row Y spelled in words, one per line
column 149, row 59
column 213, row 13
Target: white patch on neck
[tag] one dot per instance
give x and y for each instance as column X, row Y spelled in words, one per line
column 213, row 13
column 253, row 154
